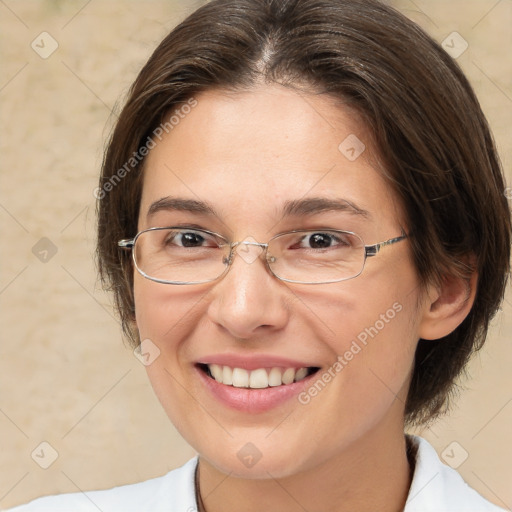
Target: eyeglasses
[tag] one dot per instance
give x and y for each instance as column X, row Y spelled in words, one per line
column 180, row 255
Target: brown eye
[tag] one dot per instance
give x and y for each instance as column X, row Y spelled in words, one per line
column 190, row 239
column 322, row 241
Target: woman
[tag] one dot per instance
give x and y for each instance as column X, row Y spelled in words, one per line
column 302, row 217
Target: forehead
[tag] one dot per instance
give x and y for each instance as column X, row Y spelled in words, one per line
column 252, row 153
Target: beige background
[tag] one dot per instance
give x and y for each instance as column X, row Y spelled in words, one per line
column 66, row 378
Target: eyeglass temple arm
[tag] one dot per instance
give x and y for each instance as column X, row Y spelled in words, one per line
column 126, row 244
column 372, row 250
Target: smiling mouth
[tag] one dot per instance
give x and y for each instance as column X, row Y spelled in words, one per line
column 259, row 378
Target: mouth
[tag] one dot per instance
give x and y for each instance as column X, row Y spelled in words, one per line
column 259, row 378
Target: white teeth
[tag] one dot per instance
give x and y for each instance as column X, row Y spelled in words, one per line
column 216, row 372
column 240, row 378
column 300, row 374
column 274, row 377
column 256, row 379
column 227, row 375
column 288, row 375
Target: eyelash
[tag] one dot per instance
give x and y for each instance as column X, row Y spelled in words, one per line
column 336, row 240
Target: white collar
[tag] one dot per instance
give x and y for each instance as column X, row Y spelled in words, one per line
column 435, row 488
column 438, row 488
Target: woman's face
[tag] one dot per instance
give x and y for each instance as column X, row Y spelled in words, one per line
column 246, row 156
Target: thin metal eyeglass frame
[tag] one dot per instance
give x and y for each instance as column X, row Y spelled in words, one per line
column 369, row 251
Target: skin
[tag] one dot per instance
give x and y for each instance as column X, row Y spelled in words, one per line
column 246, row 153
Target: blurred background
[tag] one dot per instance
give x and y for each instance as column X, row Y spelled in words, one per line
column 76, row 409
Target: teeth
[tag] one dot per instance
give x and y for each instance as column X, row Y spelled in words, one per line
column 227, row 375
column 216, row 372
column 256, row 379
column 300, row 374
column 240, row 378
column 274, row 377
column 288, row 376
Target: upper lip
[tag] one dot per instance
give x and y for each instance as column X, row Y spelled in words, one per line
column 255, row 361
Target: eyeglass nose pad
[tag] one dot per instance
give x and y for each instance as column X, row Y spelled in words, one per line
column 228, row 260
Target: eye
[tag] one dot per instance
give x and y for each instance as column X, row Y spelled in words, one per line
column 323, row 241
column 190, row 239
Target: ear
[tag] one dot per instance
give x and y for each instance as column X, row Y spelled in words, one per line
column 446, row 305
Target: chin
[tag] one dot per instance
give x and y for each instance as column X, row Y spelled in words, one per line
column 253, row 464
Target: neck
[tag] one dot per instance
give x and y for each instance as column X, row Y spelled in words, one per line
column 373, row 474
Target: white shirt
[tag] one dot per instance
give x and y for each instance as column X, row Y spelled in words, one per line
column 435, row 488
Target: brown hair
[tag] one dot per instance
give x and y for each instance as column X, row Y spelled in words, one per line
column 427, row 124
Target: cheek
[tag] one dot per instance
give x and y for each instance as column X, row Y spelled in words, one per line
column 162, row 310
column 164, row 315
column 387, row 344
column 374, row 345
column 371, row 326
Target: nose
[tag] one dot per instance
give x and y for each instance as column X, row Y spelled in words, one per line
column 249, row 301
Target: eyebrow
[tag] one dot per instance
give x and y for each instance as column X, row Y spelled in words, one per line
column 183, row 205
column 314, row 205
column 291, row 208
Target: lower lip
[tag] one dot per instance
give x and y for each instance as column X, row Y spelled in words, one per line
column 253, row 400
